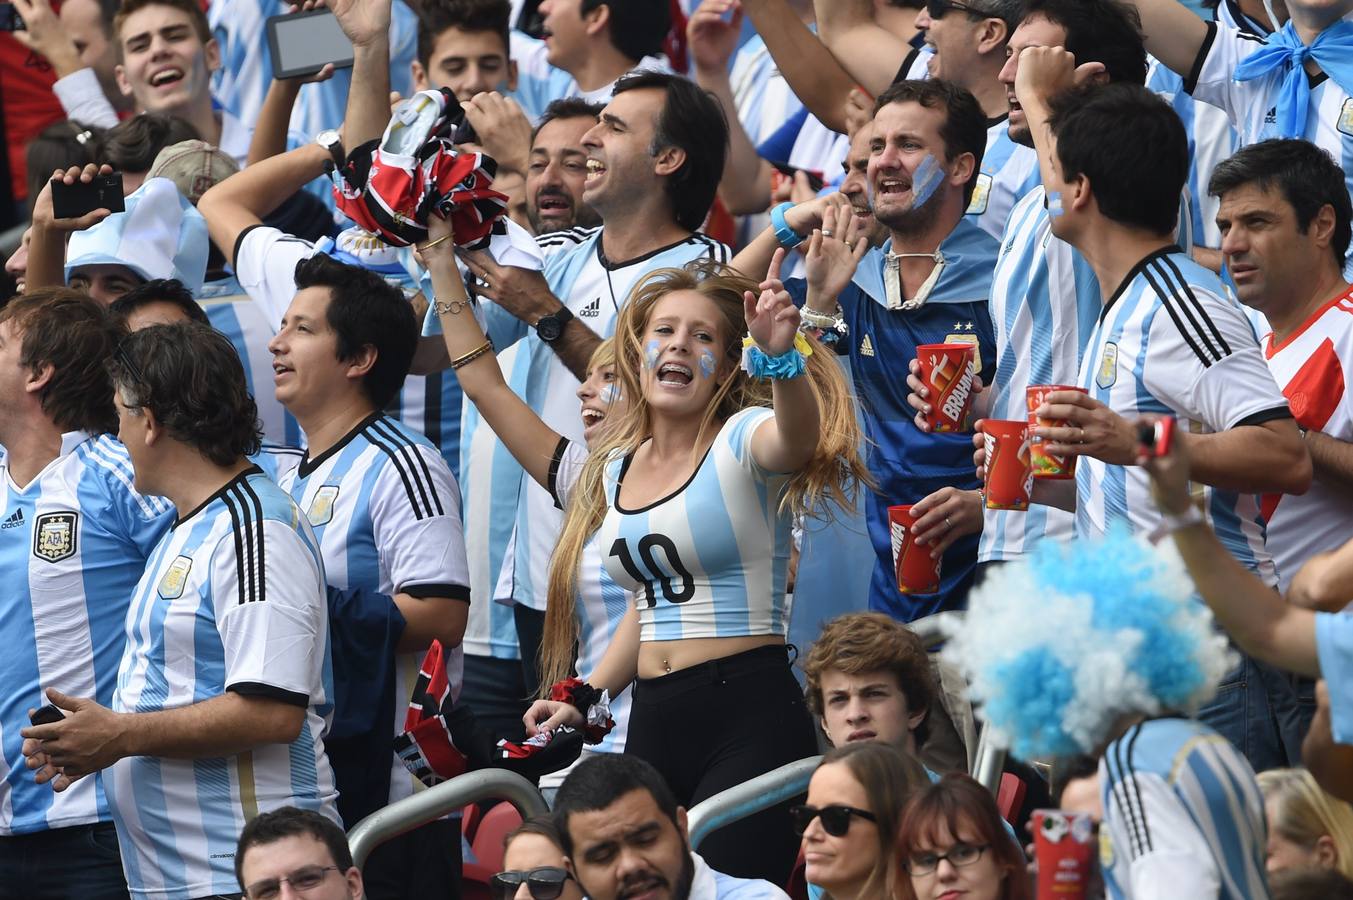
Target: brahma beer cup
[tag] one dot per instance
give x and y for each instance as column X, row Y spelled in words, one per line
column 1047, row 465
column 1009, row 476
column 916, row 572
column 1065, row 847
column 948, row 371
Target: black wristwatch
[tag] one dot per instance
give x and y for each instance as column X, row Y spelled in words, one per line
column 552, row 326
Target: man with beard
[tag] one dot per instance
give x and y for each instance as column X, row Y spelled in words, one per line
column 625, row 836
column 928, row 284
column 557, row 168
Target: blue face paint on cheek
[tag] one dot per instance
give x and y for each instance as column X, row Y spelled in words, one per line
column 707, row 364
column 651, row 354
column 926, row 180
column 609, row 393
column 1054, row 204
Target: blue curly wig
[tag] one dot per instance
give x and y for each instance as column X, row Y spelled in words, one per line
column 1064, row 642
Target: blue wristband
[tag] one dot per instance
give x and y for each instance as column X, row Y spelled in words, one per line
column 788, row 237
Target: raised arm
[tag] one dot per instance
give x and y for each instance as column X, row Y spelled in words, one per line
column 872, row 54
column 1253, row 614
column 745, row 185
column 274, row 117
column 47, row 241
column 814, row 74
column 1173, row 34
column 243, row 199
column 789, row 440
column 526, row 437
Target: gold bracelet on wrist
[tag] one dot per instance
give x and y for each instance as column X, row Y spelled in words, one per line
column 430, row 244
column 486, row 347
column 442, row 307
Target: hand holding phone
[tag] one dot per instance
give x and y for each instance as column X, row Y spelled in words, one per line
column 71, row 201
column 303, row 43
column 46, row 715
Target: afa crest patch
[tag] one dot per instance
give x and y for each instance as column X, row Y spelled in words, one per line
column 968, row 339
column 1107, row 373
column 1345, row 123
column 54, row 536
column 981, row 195
column 175, row 577
column 322, row 505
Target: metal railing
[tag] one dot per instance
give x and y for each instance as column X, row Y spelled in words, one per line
column 749, row 798
column 432, row 804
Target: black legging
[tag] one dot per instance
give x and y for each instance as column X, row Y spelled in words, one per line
column 716, row 725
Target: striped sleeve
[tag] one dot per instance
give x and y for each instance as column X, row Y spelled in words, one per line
column 415, row 517
column 268, row 592
column 1205, row 359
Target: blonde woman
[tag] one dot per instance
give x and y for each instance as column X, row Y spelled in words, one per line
column 1307, row 828
column 689, row 497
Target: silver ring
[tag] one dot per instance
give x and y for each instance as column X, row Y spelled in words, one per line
column 826, row 232
column 947, row 523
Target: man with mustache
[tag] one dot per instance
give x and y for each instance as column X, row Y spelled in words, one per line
column 557, row 168
column 625, row 836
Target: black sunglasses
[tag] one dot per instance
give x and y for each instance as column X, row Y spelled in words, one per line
column 835, row 818
column 544, row 883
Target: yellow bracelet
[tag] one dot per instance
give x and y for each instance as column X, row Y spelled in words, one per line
column 486, row 347
column 801, row 344
column 430, row 244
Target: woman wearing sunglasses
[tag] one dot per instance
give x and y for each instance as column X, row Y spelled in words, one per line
column 849, row 824
column 953, row 844
column 534, row 866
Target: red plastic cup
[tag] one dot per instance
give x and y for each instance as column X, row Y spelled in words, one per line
column 916, row 572
column 1046, row 465
column 1065, row 848
column 948, row 371
column 1009, row 475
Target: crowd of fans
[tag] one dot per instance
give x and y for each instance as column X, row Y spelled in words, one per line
column 554, row 385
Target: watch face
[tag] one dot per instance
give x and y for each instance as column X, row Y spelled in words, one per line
column 327, row 138
column 549, row 329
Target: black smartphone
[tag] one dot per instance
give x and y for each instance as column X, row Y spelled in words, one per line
column 46, row 715
column 10, row 20
column 814, row 180
column 70, row 201
column 305, row 42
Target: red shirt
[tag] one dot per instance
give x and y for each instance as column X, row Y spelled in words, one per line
column 26, row 81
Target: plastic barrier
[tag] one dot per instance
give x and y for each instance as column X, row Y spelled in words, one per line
column 749, row 798
column 433, row 803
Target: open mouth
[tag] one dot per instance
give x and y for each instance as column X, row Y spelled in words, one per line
column 592, row 417
column 166, row 77
column 278, row 370
column 553, row 203
column 893, row 187
column 595, row 169
column 674, row 375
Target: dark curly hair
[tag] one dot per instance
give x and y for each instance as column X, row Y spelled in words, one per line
column 191, row 378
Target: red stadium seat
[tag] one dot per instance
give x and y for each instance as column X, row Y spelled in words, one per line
column 797, row 887
column 1010, row 797
column 488, row 838
column 469, row 821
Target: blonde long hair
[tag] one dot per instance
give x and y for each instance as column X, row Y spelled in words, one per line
column 831, row 477
column 1304, row 813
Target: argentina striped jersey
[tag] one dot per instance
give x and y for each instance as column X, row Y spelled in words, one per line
column 1183, row 815
column 386, row 511
column 711, row 559
column 73, row 544
column 1171, row 341
column 232, row 599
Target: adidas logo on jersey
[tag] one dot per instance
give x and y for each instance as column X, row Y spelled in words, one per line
column 866, row 346
column 1271, row 117
column 591, row 310
column 15, row 520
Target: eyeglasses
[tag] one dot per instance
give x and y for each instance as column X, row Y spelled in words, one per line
column 301, row 881
column 937, row 8
column 835, row 818
column 544, row 883
column 958, row 855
